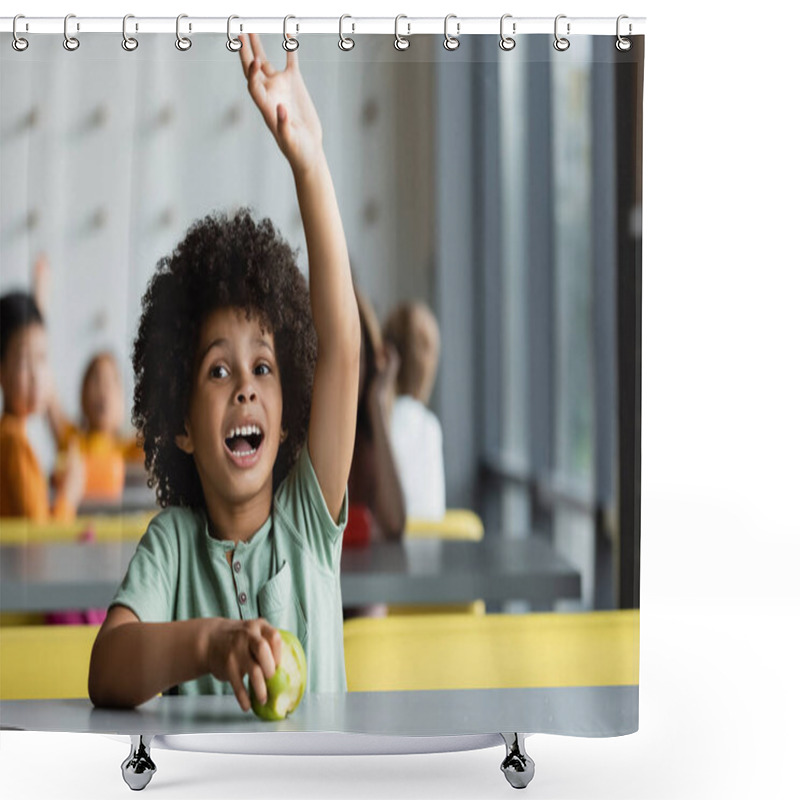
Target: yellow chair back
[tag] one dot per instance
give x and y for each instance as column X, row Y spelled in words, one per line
column 457, row 523
column 495, row 651
column 101, row 528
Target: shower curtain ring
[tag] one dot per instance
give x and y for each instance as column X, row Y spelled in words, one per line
column 18, row 43
column 561, row 43
column 623, row 44
column 507, row 42
column 290, row 43
column 70, row 42
column 345, row 42
column 129, row 43
column 451, row 42
column 183, row 43
column 401, row 42
column 233, row 44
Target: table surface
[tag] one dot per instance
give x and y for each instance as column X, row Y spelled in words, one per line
column 134, row 499
column 572, row 711
column 422, row 571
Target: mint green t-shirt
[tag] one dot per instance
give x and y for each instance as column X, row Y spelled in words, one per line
column 287, row 573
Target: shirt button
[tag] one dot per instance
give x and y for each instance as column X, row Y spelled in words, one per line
column 237, row 566
column 242, row 598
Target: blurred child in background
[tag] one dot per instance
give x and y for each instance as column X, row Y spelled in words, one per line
column 416, row 433
column 104, row 449
column 25, row 380
column 374, row 483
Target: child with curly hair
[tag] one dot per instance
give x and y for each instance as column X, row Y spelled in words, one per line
column 245, row 398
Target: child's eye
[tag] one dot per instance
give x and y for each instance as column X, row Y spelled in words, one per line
column 263, row 369
column 219, row 371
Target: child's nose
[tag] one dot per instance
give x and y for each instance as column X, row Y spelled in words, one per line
column 246, row 393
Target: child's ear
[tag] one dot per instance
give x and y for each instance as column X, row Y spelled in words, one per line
column 184, row 440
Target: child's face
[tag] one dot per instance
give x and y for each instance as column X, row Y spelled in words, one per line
column 233, row 429
column 103, row 404
column 24, row 374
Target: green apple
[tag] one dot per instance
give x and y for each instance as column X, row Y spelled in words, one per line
column 286, row 687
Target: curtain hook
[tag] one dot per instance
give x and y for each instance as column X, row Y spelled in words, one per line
column 129, row 43
column 70, row 42
column 345, row 42
column 507, row 42
column 234, row 44
column 401, row 42
column 560, row 43
column 451, row 42
column 18, row 43
column 623, row 44
column 183, row 43
column 290, row 43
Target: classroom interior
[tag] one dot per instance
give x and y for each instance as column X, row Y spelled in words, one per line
column 497, row 189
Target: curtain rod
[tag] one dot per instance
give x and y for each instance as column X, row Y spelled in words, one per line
column 407, row 26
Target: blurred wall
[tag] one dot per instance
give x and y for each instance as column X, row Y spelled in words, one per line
column 108, row 156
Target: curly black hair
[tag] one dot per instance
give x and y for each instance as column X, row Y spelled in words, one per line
column 222, row 262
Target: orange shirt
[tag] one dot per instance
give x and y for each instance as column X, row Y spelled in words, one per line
column 104, row 458
column 23, row 488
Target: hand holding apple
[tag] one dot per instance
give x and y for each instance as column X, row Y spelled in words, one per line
column 235, row 648
column 287, row 685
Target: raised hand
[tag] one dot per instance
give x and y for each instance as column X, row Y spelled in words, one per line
column 284, row 102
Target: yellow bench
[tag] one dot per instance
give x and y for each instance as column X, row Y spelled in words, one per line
column 47, row 661
column 102, row 528
column 405, row 653
column 496, row 651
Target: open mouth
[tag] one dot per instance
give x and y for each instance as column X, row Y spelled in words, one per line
column 244, row 442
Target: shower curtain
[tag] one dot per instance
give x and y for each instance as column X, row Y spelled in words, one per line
column 485, row 566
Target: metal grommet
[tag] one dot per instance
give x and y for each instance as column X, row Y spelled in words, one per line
column 560, row 42
column 507, row 42
column 18, row 43
column 401, row 42
column 345, row 42
column 451, row 42
column 183, row 43
column 129, row 43
column 70, row 42
column 290, row 44
column 233, row 44
column 623, row 44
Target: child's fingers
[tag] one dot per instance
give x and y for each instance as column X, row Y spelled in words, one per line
column 259, row 683
column 258, row 52
column 273, row 637
column 262, row 655
column 255, row 77
column 283, row 121
column 246, row 55
column 236, row 681
column 291, row 59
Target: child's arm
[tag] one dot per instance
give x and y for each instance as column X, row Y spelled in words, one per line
column 133, row 661
column 284, row 102
column 390, row 506
column 60, row 425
